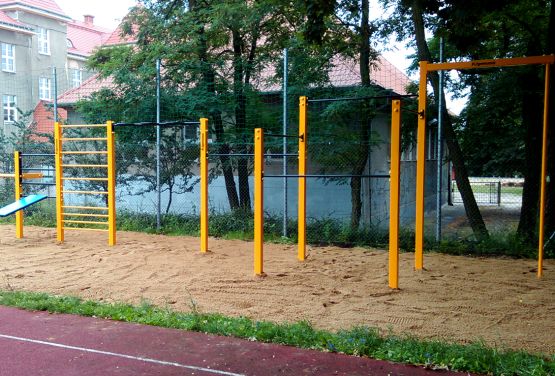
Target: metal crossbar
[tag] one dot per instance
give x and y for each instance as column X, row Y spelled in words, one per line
column 162, row 124
column 85, row 166
column 83, row 125
column 85, row 192
column 84, row 139
column 84, row 152
column 86, row 222
column 86, row 229
column 86, row 179
column 85, row 207
column 85, row 215
column 322, row 176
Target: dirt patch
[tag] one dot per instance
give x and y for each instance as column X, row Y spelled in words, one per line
column 499, row 301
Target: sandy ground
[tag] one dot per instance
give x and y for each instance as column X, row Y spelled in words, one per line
column 499, row 301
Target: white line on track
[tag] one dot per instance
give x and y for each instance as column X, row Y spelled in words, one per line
column 146, row 360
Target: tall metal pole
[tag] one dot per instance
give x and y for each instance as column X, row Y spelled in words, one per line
column 158, row 137
column 55, row 79
column 439, row 145
column 285, row 76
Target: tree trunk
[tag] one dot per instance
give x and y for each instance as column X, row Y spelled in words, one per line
column 241, row 119
column 461, row 174
column 363, row 150
column 208, row 77
column 532, row 115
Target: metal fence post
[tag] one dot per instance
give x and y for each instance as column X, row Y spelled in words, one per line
column 158, row 137
column 285, row 77
column 499, row 193
column 439, row 146
column 55, row 79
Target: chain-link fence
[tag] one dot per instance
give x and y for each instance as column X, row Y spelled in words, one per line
column 348, row 148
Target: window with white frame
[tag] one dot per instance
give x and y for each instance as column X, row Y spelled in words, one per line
column 76, row 77
column 44, row 40
column 9, row 103
column 8, row 57
column 45, row 91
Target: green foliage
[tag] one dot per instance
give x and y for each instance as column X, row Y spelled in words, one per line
column 360, row 341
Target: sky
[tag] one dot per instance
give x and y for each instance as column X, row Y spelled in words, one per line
column 107, row 13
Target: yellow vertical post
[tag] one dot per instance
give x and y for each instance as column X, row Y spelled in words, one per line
column 258, row 201
column 59, row 182
column 420, row 168
column 301, row 215
column 18, row 188
column 394, row 181
column 204, row 185
column 544, row 170
column 111, row 146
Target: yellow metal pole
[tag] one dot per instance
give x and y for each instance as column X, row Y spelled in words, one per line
column 258, row 201
column 18, row 189
column 301, row 215
column 420, row 168
column 394, row 194
column 59, row 182
column 544, row 170
column 204, row 185
column 111, row 148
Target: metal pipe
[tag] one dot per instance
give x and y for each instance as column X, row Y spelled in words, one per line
column 285, row 79
column 37, row 155
column 157, row 123
column 439, row 145
column 250, row 155
column 158, row 139
column 361, row 98
column 322, row 176
column 280, row 135
column 55, row 78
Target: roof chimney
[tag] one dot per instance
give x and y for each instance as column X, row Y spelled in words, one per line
column 89, row 20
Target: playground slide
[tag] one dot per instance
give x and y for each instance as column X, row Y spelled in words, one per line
column 21, row 204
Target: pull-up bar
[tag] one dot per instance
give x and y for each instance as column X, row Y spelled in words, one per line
column 361, row 98
column 153, row 123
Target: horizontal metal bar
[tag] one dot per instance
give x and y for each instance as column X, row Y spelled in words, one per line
column 281, row 135
column 153, row 123
column 86, row 179
column 391, row 96
column 85, row 215
column 30, row 183
column 37, row 155
column 251, row 155
column 85, row 139
column 84, row 166
column 86, row 192
column 85, row 229
column 322, row 176
column 38, row 169
column 85, row 222
column 83, row 125
column 85, row 207
column 83, row 152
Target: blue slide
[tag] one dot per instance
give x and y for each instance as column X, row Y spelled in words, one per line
column 21, row 204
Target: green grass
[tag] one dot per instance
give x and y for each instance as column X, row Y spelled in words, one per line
column 361, row 341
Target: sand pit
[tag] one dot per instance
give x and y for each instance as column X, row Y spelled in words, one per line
column 499, row 301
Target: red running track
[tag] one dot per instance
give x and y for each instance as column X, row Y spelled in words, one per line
column 39, row 343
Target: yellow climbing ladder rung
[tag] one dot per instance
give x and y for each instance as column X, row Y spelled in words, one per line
column 85, row 222
column 82, row 125
column 84, row 152
column 85, row 166
column 87, row 179
column 85, row 215
column 85, row 192
column 65, row 139
column 86, row 229
column 85, row 207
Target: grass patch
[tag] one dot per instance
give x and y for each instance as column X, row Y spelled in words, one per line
column 360, row 341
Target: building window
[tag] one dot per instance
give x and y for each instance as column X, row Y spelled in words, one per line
column 8, row 57
column 10, row 111
column 45, row 92
column 432, row 143
column 76, row 77
column 44, row 41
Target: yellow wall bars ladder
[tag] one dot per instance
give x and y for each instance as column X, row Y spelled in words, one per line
column 85, row 217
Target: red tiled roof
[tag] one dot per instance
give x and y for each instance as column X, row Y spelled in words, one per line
column 44, row 5
column 87, row 88
column 43, row 119
column 85, row 37
column 345, row 72
column 117, row 39
column 10, row 22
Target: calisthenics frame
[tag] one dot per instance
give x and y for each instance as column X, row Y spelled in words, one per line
column 301, row 216
column 426, row 67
